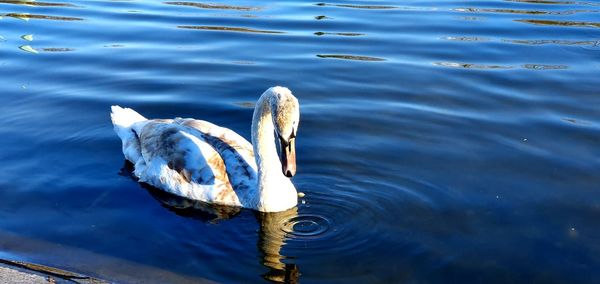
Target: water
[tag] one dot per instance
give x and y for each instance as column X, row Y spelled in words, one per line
column 440, row 141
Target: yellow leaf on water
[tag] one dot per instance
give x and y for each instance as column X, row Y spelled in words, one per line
column 28, row 48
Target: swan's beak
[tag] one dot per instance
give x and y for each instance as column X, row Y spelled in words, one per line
column 288, row 157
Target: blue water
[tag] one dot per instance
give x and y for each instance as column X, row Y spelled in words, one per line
column 440, row 141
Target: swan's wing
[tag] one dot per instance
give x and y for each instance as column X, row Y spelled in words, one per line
column 237, row 152
column 179, row 160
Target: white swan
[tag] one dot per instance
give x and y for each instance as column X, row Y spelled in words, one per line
column 198, row 160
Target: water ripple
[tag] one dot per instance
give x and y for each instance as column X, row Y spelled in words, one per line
column 338, row 34
column 34, row 3
column 522, row 12
column 26, row 16
column 28, row 48
column 465, row 38
column 322, row 17
column 370, row 7
column 561, row 23
column 350, row 57
column 551, row 41
column 483, row 66
column 553, row 2
column 471, row 66
column 214, row 6
column 229, row 29
column 544, row 67
column 57, row 49
column 305, row 226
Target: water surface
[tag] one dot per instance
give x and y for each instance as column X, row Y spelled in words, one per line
column 440, row 141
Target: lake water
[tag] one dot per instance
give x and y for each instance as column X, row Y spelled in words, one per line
column 440, row 141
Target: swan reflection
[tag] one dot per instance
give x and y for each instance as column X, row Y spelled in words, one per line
column 272, row 231
column 271, row 239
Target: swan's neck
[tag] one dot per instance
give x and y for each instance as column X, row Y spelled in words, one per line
column 276, row 191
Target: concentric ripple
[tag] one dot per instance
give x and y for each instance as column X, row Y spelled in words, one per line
column 306, row 226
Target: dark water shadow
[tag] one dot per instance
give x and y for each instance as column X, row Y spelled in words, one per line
column 184, row 207
column 271, row 236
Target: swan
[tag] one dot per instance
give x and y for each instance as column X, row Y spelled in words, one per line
column 201, row 161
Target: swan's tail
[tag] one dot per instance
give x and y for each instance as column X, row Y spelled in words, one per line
column 123, row 120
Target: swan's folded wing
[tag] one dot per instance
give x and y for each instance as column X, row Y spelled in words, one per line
column 237, row 154
column 183, row 163
column 225, row 135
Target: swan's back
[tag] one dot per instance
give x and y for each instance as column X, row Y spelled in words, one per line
column 190, row 158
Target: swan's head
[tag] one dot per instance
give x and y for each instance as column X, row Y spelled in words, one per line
column 285, row 111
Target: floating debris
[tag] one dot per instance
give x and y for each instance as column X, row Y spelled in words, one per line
column 301, row 194
column 27, row 37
